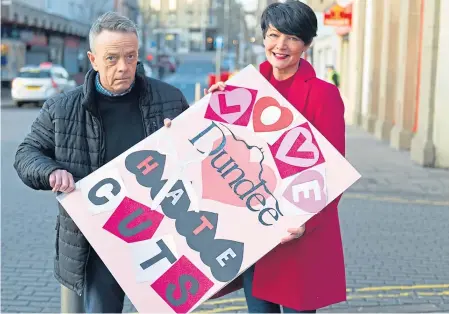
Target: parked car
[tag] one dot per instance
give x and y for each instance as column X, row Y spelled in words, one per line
column 36, row 84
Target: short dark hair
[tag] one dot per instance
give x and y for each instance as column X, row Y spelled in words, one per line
column 291, row 18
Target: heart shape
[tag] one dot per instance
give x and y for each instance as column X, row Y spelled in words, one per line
column 216, row 184
column 284, row 120
column 224, row 257
column 307, row 191
column 288, row 148
column 230, row 105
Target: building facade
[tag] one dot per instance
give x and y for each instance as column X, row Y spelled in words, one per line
column 52, row 30
column 180, row 26
column 394, row 72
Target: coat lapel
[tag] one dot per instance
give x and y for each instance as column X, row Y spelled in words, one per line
column 299, row 91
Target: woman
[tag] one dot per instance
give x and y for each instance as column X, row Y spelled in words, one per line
column 306, row 271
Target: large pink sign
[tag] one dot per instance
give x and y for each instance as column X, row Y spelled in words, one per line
column 184, row 212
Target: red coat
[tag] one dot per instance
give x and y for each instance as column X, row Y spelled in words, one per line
column 308, row 273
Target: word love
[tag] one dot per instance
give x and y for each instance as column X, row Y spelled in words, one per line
column 254, row 194
column 223, row 257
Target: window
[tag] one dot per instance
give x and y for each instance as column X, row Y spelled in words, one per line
column 35, row 73
column 172, row 5
column 156, row 5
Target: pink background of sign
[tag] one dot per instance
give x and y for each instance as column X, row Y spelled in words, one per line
column 258, row 239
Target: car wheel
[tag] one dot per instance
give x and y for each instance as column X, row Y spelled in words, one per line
column 18, row 104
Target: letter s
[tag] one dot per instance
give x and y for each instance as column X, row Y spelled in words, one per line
column 96, row 200
column 183, row 279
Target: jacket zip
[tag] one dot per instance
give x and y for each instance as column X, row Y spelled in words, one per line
column 145, row 133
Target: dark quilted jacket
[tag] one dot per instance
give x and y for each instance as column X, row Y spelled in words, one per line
column 68, row 135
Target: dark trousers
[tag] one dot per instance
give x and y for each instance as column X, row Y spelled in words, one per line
column 261, row 306
column 102, row 293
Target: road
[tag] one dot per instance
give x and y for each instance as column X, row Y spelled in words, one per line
column 393, row 222
column 193, row 69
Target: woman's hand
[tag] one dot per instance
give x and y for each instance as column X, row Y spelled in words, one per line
column 215, row 87
column 295, row 233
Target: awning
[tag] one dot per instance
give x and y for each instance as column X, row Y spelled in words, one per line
column 20, row 13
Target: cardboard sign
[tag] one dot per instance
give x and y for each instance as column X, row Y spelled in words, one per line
column 184, row 212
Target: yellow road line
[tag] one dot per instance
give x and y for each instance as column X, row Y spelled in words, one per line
column 351, row 296
column 224, row 309
column 413, row 287
column 377, row 296
column 394, row 199
column 428, row 294
column 224, row 301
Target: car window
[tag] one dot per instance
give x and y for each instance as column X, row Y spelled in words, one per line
column 61, row 72
column 57, row 74
column 37, row 73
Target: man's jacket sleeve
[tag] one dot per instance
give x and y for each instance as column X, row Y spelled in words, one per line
column 34, row 157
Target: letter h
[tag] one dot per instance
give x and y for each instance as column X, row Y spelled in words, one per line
column 148, row 164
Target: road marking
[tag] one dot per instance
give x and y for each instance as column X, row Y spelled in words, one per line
column 224, row 301
column 354, row 294
column 394, row 199
column 428, row 294
column 413, row 287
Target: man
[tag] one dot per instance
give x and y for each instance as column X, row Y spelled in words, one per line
column 80, row 131
column 332, row 76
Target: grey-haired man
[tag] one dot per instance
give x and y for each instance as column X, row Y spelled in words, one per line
column 79, row 131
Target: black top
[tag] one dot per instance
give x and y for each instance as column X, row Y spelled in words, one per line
column 122, row 122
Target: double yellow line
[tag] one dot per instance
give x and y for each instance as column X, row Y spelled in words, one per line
column 239, row 304
column 398, row 200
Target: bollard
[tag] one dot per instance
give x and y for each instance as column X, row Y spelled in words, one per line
column 197, row 91
column 70, row 301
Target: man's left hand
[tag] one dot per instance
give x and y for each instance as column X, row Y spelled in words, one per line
column 295, row 233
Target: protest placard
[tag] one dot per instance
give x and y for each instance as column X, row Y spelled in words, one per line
column 184, row 212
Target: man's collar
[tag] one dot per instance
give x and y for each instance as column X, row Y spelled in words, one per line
column 104, row 91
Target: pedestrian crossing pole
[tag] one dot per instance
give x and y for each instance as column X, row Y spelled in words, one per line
column 70, row 301
column 197, row 91
column 218, row 50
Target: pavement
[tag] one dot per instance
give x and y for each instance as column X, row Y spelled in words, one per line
column 393, row 221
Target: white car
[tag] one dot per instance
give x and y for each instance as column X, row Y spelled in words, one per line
column 36, row 84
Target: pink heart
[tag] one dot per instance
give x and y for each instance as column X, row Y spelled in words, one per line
column 237, row 99
column 217, row 188
column 307, row 147
column 307, row 191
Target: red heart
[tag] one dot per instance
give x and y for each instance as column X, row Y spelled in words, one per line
column 285, row 119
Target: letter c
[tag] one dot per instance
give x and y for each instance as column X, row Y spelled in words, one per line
column 96, row 200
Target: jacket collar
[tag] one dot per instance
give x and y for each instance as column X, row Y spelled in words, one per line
column 300, row 88
column 89, row 88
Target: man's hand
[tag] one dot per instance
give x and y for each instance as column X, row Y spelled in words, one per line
column 62, row 181
column 295, row 233
column 167, row 123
